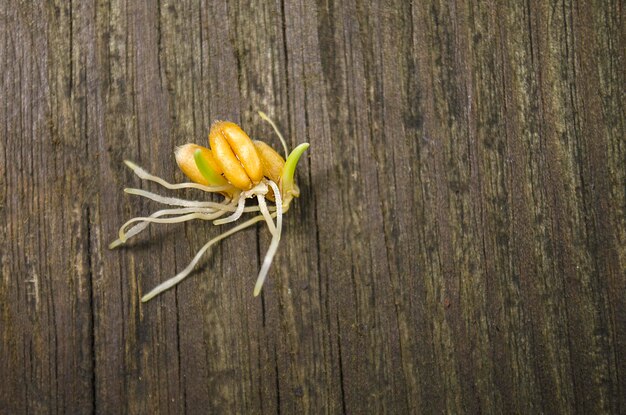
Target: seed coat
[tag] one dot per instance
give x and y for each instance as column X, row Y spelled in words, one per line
column 184, row 156
column 272, row 162
column 236, row 154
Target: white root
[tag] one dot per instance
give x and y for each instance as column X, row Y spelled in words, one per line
column 141, row 173
column 123, row 236
column 184, row 273
column 271, row 251
column 236, row 214
column 173, row 201
column 280, row 136
column 205, row 211
column 266, row 214
column 189, row 210
column 135, row 230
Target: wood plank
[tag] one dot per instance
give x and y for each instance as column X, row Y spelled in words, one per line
column 459, row 244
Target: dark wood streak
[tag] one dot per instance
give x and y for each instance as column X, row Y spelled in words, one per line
column 459, row 245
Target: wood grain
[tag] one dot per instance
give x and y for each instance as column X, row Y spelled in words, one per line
column 459, row 245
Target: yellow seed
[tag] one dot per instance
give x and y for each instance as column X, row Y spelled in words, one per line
column 184, row 158
column 233, row 170
column 235, row 154
column 273, row 163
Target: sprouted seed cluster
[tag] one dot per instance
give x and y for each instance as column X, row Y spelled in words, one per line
column 235, row 167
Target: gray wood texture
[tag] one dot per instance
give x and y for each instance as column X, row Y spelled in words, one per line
column 459, row 245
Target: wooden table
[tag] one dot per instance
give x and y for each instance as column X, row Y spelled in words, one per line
column 459, row 245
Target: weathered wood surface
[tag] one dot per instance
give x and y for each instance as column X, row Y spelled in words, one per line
column 460, row 242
